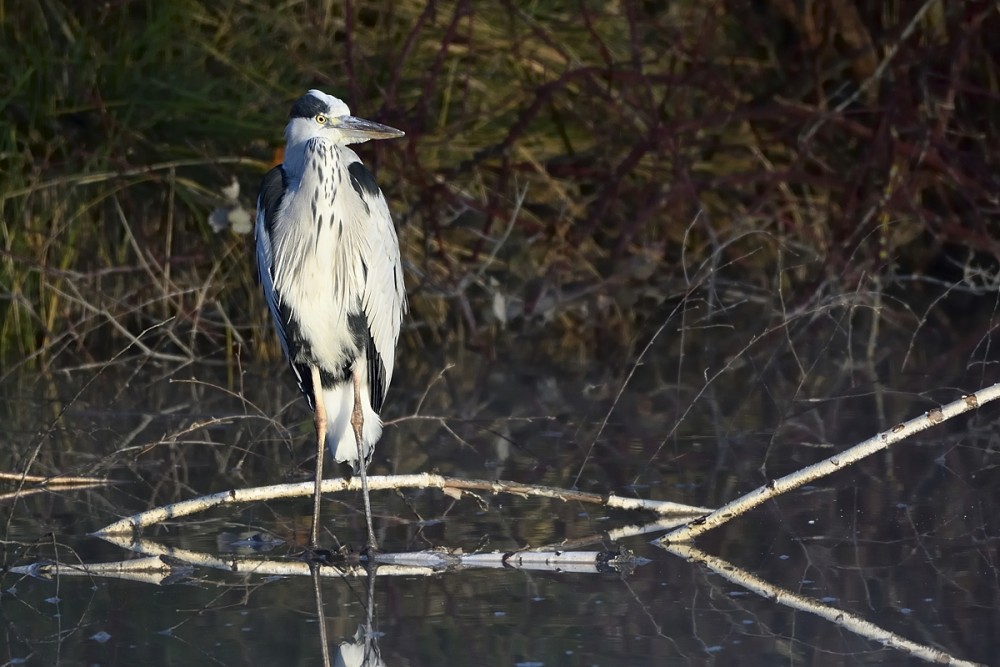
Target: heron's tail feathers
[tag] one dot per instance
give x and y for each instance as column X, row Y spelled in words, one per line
column 339, row 404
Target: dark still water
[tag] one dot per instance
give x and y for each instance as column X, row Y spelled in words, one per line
column 905, row 541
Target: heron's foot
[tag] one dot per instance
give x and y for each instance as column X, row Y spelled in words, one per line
column 320, row 556
column 345, row 470
column 370, row 554
column 342, row 557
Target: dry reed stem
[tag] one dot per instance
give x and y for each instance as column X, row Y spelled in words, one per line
column 55, row 480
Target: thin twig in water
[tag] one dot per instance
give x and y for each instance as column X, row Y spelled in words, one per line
column 36, row 445
column 621, row 390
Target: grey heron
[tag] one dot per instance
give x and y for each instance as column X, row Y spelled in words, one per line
column 328, row 261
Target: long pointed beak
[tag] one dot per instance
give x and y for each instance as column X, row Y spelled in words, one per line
column 363, row 130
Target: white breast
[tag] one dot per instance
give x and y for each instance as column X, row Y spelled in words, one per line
column 318, row 252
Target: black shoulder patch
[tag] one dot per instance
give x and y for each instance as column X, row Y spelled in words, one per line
column 272, row 191
column 362, row 180
column 307, row 106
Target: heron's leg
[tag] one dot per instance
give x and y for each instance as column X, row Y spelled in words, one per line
column 358, row 421
column 320, row 421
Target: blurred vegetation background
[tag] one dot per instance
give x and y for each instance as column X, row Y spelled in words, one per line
column 572, row 169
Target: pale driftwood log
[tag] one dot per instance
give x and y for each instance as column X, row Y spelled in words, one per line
column 147, row 570
column 146, row 564
column 449, row 485
column 173, row 554
column 876, row 443
column 839, row 617
column 417, row 563
column 564, row 553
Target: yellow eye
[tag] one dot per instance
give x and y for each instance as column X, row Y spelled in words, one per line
column 321, row 119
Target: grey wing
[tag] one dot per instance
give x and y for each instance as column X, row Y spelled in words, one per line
column 272, row 191
column 384, row 299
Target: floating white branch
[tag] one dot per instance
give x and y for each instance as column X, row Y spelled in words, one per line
column 449, row 485
column 418, row 563
column 776, row 487
column 148, row 570
column 841, row 618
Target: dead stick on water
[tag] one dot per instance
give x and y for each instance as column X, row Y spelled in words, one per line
column 450, row 486
column 177, row 560
column 839, row 617
column 881, row 441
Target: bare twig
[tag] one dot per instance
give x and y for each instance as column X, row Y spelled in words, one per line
column 879, row 72
column 54, row 480
column 23, row 493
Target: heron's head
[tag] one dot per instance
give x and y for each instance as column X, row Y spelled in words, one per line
column 317, row 114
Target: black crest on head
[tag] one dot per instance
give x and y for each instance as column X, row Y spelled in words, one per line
column 307, row 106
